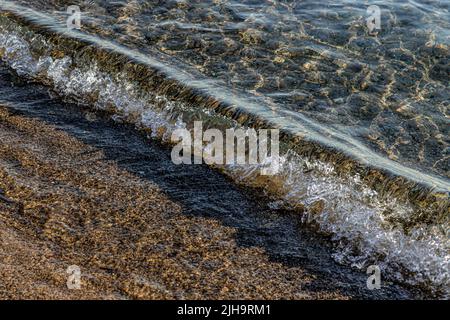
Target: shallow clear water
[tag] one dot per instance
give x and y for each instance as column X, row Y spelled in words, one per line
column 314, row 69
column 390, row 91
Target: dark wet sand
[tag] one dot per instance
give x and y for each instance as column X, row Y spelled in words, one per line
column 78, row 189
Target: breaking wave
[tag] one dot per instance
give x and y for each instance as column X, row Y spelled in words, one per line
column 368, row 221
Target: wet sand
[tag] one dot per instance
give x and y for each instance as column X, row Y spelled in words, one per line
column 78, row 189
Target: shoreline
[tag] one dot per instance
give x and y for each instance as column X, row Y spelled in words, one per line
column 367, row 225
column 96, row 194
column 422, row 189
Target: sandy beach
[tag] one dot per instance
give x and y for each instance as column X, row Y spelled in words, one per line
column 136, row 231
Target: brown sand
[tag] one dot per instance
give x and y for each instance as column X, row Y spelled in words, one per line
column 66, row 202
column 130, row 241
